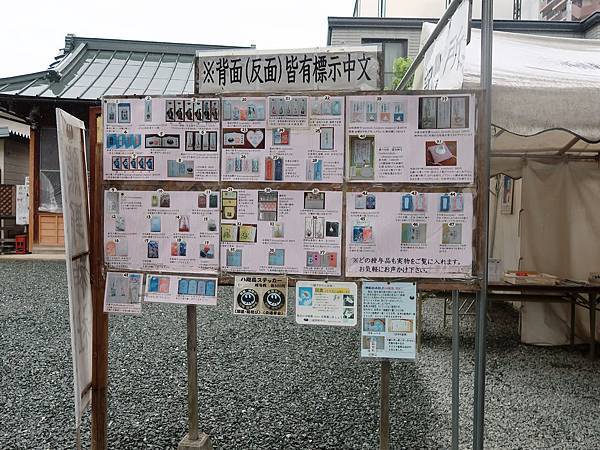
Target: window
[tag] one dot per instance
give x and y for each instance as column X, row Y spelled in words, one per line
column 392, row 49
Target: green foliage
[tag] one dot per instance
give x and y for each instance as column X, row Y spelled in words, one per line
column 401, row 66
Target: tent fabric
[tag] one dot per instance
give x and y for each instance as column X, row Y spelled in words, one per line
column 559, row 230
column 541, row 83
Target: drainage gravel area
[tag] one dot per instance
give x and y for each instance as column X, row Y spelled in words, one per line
column 268, row 383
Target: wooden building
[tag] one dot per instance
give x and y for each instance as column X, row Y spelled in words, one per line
column 85, row 70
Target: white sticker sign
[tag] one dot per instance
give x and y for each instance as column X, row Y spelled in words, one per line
column 326, row 303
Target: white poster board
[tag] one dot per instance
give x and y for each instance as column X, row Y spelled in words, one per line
column 283, row 139
column 183, row 290
column 389, row 320
column 410, row 139
column 281, row 231
column 326, row 303
column 73, row 180
column 409, row 234
column 173, row 231
column 22, row 204
column 161, row 138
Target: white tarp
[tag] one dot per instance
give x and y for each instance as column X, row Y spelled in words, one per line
column 73, row 180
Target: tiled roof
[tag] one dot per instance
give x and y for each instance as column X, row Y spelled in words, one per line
column 90, row 68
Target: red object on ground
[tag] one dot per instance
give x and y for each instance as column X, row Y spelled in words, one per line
column 21, row 244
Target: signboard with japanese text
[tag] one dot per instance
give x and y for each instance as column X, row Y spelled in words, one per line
column 174, row 231
column 260, row 295
column 123, row 293
column 22, row 207
column 73, row 181
column 409, row 235
column 410, row 139
column 389, row 320
column 328, row 69
column 184, row 290
column 326, row 303
column 161, row 138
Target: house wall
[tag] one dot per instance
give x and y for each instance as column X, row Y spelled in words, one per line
column 15, row 161
column 355, row 36
column 593, row 32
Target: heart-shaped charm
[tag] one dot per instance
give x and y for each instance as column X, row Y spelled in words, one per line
column 255, row 137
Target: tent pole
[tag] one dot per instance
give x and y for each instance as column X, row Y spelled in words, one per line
column 487, row 24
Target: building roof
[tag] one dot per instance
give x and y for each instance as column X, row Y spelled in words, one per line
column 12, row 125
column 89, row 68
column 518, row 26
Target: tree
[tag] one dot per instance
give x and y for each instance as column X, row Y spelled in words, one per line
column 401, row 66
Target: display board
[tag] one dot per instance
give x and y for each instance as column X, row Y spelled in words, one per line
column 185, row 290
column 326, row 303
column 283, row 139
column 161, row 138
column 410, row 139
column 281, row 231
column 172, row 231
column 389, row 317
column 409, row 235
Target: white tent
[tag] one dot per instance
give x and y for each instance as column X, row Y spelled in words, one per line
column 545, row 117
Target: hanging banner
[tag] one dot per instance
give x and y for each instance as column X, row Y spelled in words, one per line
column 260, row 295
column 444, row 62
column 389, row 317
column 315, row 69
column 326, row 303
column 73, row 181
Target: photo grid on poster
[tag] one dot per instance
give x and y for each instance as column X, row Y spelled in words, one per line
column 161, row 138
column 409, row 234
column 283, row 139
column 181, row 289
column 123, row 293
column 281, row 231
column 404, row 139
column 174, row 231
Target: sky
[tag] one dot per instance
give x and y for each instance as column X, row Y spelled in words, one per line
column 33, row 32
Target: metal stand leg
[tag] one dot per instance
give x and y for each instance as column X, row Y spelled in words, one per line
column 194, row 439
column 384, row 406
column 455, row 369
column 572, row 337
column 445, row 311
column 592, row 325
column 419, row 321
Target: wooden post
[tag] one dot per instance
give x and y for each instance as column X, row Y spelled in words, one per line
column 384, row 406
column 192, row 372
column 592, row 297
column 100, row 319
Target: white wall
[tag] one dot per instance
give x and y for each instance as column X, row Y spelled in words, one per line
column 503, row 9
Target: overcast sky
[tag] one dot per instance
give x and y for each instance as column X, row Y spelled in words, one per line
column 32, row 32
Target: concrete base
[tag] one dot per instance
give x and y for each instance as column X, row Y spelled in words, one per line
column 202, row 443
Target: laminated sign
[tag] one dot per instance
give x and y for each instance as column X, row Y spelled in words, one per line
column 260, row 295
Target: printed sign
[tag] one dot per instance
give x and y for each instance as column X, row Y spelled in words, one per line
column 183, row 290
column 410, row 139
column 317, row 69
column 283, row 139
column 326, row 303
column 171, row 231
column 161, row 138
column 268, row 231
column 260, row 295
column 123, row 293
column 73, row 182
column 389, row 319
column 22, row 216
column 409, row 234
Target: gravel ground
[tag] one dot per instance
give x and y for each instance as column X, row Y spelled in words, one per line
column 268, row 383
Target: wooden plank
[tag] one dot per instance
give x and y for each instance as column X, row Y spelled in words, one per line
column 100, row 320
